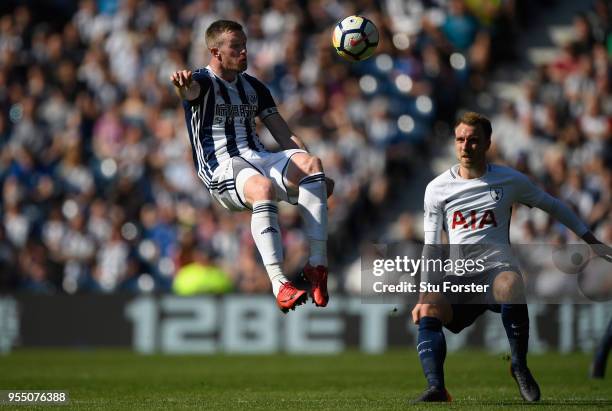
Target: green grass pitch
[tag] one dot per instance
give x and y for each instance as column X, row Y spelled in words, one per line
column 108, row 379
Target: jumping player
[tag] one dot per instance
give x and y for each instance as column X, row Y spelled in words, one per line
column 221, row 102
column 473, row 201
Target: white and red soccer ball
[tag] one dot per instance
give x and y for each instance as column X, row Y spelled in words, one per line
column 355, row 38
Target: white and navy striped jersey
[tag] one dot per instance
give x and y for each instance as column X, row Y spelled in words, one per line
column 221, row 120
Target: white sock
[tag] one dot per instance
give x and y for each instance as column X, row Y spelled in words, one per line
column 267, row 237
column 275, row 272
column 312, row 203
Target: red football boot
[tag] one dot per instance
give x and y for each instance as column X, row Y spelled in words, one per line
column 317, row 277
column 290, row 297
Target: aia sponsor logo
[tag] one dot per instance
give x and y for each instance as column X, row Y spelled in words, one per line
column 473, row 220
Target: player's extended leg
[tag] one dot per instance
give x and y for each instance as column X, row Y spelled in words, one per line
column 508, row 290
column 260, row 194
column 598, row 368
column 305, row 175
column 431, row 346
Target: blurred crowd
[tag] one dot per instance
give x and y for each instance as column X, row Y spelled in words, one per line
column 559, row 131
column 99, row 192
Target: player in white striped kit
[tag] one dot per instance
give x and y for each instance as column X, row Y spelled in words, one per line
column 221, row 102
column 473, row 202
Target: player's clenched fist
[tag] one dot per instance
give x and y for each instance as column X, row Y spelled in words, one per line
column 181, row 78
column 185, row 87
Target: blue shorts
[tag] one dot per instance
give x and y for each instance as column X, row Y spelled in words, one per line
column 467, row 307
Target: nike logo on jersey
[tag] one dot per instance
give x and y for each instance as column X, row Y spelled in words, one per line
column 269, row 230
column 487, row 217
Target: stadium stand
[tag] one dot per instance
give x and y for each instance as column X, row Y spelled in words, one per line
column 99, row 192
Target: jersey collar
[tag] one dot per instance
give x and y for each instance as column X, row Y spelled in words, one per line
column 232, row 83
column 454, row 172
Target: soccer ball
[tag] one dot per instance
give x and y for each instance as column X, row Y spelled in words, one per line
column 355, row 38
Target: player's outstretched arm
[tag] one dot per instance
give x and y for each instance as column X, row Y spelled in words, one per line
column 185, row 87
column 565, row 215
column 533, row 196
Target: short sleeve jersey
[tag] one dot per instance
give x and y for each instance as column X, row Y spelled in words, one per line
column 221, row 120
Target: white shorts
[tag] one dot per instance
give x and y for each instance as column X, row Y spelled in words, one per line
column 270, row 165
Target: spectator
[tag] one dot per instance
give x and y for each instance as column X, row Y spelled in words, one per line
column 201, row 276
column 97, row 185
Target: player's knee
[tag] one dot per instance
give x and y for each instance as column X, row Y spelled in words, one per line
column 313, row 165
column 306, row 165
column 260, row 188
column 266, row 189
column 508, row 288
